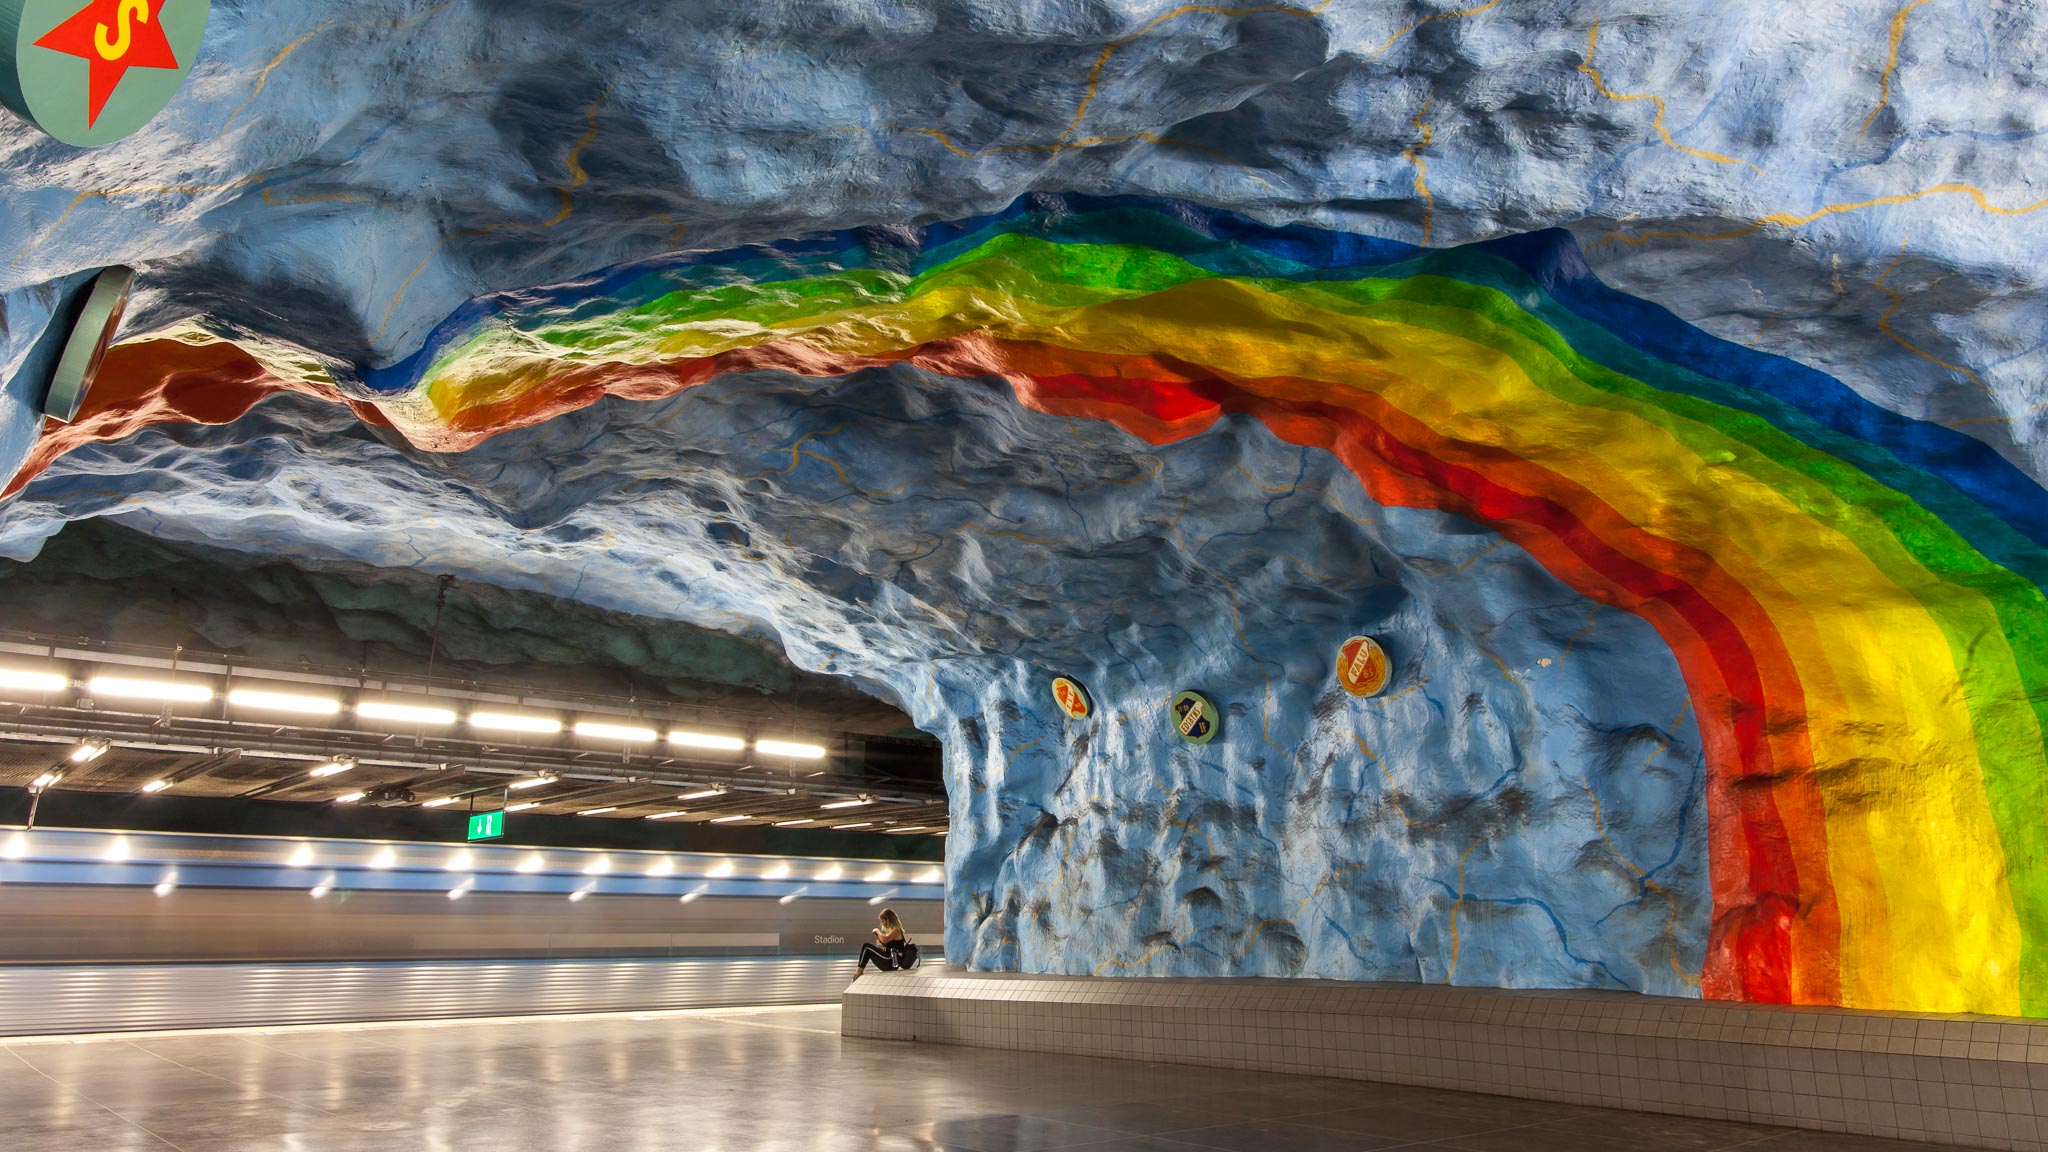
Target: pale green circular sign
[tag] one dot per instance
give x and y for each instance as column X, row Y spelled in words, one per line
column 91, row 71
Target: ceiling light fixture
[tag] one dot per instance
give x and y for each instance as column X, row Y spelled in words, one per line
column 790, row 748
column 668, row 815
column 440, row 802
column 598, row 867
column 847, row 803
column 46, row 780
column 134, row 688
column 88, row 751
column 882, row 873
column 730, row 819
column 269, row 701
column 117, row 850
column 708, row 792
column 302, row 857
column 929, row 876
column 831, row 872
column 514, row 722
column 531, row 782
column 384, row 859
column 349, row 797
column 332, row 768
column 794, row 823
column 406, row 713
column 522, row 807
column 684, row 739
column 23, row 680
column 17, row 847
column 907, row 828
column 724, row 868
column 662, row 867
column 460, row 862
column 534, row 862
column 630, row 733
column 156, row 785
column 777, row 872
column 598, row 811
column 862, row 824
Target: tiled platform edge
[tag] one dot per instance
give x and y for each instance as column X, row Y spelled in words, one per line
column 1970, row 1080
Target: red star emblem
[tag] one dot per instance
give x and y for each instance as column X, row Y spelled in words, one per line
column 112, row 36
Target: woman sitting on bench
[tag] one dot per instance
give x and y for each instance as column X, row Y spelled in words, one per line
column 888, row 950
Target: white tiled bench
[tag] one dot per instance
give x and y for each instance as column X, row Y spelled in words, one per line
column 1972, row 1080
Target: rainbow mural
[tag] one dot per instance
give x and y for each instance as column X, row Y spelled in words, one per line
column 1873, row 718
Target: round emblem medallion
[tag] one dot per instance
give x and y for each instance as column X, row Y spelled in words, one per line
column 1195, row 718
column 1071, row 697
column 79, row 364
column 91, row 71
column 1362, row 666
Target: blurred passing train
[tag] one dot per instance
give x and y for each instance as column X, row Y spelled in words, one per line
column 106, row 931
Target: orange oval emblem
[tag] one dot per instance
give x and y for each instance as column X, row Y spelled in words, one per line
column 1071, row 697
column 1362, row 666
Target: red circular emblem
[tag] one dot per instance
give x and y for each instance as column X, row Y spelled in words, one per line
column 1071, row 697
column 1362, row 666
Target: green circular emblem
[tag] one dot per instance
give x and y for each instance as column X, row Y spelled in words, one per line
column 91, row 71
column 79, row 364
column 1195, row 718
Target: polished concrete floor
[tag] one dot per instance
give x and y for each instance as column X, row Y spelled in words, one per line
column 736, row 1080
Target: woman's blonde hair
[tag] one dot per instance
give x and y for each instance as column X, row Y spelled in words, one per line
column 890, row 920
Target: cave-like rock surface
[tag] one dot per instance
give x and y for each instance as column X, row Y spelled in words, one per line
column 1656, row 381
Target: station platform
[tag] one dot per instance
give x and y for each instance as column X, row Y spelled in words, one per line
column 747, row 1080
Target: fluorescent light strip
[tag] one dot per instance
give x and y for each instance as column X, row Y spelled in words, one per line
column 23, row 680
column 349, row 797
column 791, row 749
column 89, row 751
column 845, row 804
column 522, row 807
column 440, row 802
column 128, row 687
column 701, row 795
column 533, row 862
column 684, row 739
column 408, row 713
column 332, row 768
column 283, row 702
column 531, row 782
column 514, row 722
column 730, row 819
column 862, row 824
column 911, row 828
column 598, row 811
column 794, row 823
column 627, row 732
column 156, row 785
column 776, row 873
column 667, row 815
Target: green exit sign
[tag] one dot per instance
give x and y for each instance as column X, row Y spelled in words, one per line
column 486, row 825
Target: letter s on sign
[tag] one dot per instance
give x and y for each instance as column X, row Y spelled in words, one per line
column 131, row 11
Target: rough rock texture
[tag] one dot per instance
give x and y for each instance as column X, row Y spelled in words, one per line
column 1785, row 746
column 100, row 580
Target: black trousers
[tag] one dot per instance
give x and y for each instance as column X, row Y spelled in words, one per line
column 878, row 956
